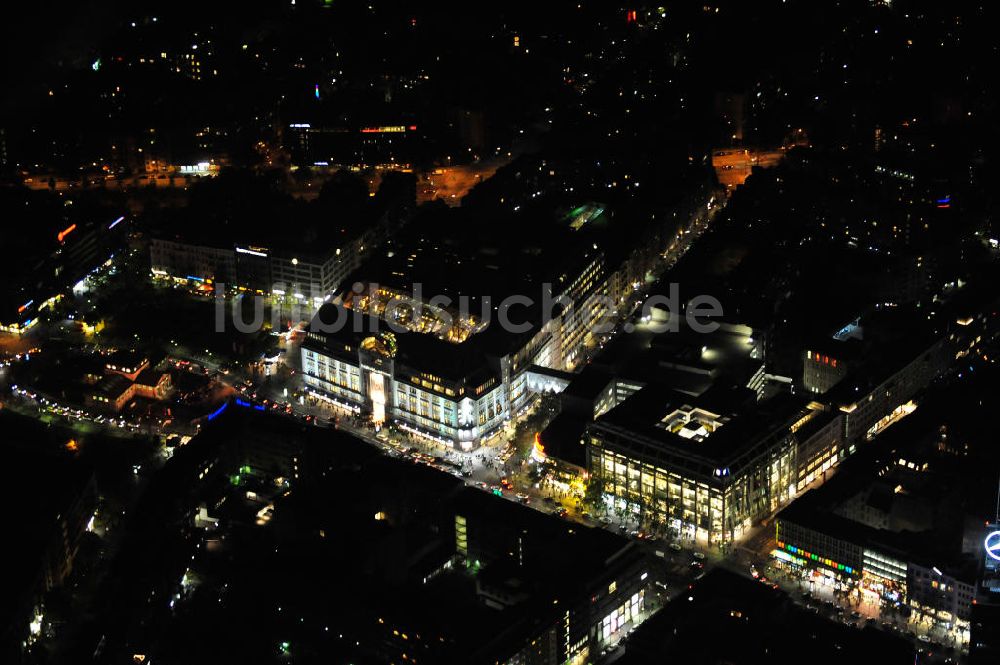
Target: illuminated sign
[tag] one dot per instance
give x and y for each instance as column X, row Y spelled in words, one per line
column 116, row 222
column 200, row 167
column 25, row 306
column 386, row 129
column 538, row 451
column 252, row 252
column 65, row 232
column 992, row 545
column 218, row 412
column 810, row 556
column 785, row 556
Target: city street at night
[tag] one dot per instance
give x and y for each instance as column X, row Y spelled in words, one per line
column 574, row 333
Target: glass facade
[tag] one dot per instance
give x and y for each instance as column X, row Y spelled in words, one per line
column 621, row 617
column 695, row 497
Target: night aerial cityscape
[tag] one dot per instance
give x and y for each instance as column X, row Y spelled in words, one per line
column 356, row 332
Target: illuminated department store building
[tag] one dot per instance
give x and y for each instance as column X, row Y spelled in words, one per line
column 452, row 374
column 708, row 467
column 455, row 393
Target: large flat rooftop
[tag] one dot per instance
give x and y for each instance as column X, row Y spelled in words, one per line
column 479, row 253
column 419, row 351
column 716, row 427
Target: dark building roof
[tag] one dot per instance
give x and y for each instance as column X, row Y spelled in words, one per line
column 149, row 377
column 746, row 423
column 728, row 618
column 125, row 358
column 235, row 209
column 473, row 360
column 113, row 386
column 48, row 246
column 562, row 439
column 484, row 252
column 588, row 384
column 870, row 473
column 891, row 341
column 681, row 359
column 551, row 537
column 41, row 487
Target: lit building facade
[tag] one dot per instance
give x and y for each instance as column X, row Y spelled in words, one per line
column 291, row 278
column 606, row 579
column 888, row 396
column 882, row 572
column 407, row 383
column 673, row 473
column 115, row 391
column 187, row 262
column 76, row 251
column 458, row 377
column 822, row 371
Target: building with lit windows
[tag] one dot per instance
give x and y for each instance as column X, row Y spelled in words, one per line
column 474, row 312
column 294, row 275
column 113, row 392
column 885, row 388
column 892, row 526
column 299, row 267
column 454, row 393
column 178, row 260
column 707, row 467
column 127, row 376
column 824, row 365
column 651, row 355
column 577, row 268
column 891, row 567
column 725, row 617
column 598, row 581
column 18, row 315
column 54, row 249
column 56, row 499
column 875, row 367
column 316, row 144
